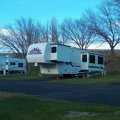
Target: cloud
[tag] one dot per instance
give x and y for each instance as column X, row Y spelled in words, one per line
column 5, row 32
column 104, row 46
column 99, row 46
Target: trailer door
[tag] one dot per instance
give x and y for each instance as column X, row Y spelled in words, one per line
column 84, row 62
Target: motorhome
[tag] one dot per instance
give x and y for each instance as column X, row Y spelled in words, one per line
column 9, row 64
column 64, row 60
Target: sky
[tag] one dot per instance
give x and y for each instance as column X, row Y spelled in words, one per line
column 43, row 10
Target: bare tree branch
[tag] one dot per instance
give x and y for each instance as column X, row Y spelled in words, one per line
column 54, row 30
column 104, row 24
column 77, row 32
column 22, row 35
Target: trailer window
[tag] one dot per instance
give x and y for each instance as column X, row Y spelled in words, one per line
column 53, row 49
column 92, row 59
column 100, row 60
column 84, row 58
column 12, row 63
column 20, row 64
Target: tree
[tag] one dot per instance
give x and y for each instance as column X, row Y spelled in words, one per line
column 22, row 35
column 116, row 5
column 43, row 33
column 104, row 25
column 54, row 30
column 76, row 31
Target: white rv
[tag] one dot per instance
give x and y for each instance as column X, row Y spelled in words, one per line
column 12, row 65
column 64, row 60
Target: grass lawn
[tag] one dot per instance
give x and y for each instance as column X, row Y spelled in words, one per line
column 21, row 107
column 108, row 79
column 26, row 77
column 19, row 77
column 29, row 76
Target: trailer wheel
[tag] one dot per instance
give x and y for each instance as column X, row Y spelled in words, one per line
column 84, row 75
column 1, row 72
column 68, row 75
column 79, row 75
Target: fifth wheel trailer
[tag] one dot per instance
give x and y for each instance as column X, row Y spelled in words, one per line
column 9, row 64
column 64, row 60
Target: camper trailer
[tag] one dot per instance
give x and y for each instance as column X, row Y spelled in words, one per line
column 12, row 65
column 64, row 60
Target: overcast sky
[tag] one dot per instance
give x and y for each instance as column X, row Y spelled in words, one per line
column 43, row 10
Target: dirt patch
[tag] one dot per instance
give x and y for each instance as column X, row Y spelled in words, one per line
column 73, row 114
column 117, row 113
column 5, row 95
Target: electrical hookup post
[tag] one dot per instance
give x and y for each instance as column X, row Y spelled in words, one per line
column 5, row 67
column 104, row 72
column 40, row 75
